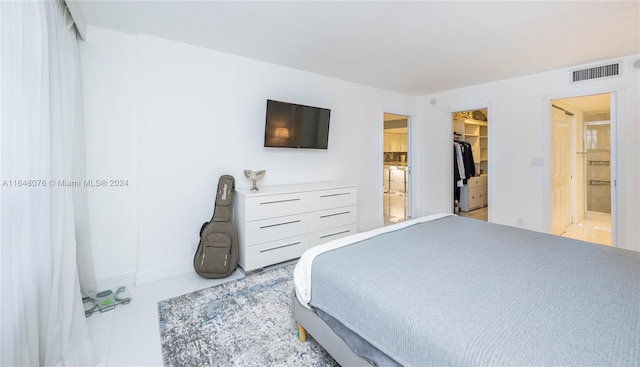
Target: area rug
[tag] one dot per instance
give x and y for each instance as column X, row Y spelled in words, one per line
column 246, row 322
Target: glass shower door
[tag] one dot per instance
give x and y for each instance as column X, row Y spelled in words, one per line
column 598, row 170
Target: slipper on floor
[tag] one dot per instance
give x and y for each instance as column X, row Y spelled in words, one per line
column 122, row 295
column 89, row 305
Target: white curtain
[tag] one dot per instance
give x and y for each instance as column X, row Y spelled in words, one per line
column 42, row 316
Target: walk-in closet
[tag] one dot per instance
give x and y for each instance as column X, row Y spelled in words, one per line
column 471, row 163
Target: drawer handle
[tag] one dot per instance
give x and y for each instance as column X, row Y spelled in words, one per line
column 278, row 201
column 335, row 234
column 280, row 224
column 281, row 246
column 334, row 214
column 338, row 194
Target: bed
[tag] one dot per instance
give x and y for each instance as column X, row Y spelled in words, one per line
column 446, row 290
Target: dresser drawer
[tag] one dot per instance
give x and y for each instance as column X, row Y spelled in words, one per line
column 333, row 218
column 477, row 196
column 275, row 252
column 274, row 228
column 477, row 181
column 326, row 199
column 268, row 206
column 332, row 234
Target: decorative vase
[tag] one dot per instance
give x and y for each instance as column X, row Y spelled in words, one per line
column 254, row 175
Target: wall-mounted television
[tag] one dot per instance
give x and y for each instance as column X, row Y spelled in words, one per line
column 291, row 125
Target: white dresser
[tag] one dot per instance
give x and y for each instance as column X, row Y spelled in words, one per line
column 279, row 223
column 474, row 194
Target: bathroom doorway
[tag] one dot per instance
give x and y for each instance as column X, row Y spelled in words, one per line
column 582, row 168
column 396, row 169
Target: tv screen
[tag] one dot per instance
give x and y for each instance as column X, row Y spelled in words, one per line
column 291, row 125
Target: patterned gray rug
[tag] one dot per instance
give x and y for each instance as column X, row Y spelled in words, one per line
column 246, row 322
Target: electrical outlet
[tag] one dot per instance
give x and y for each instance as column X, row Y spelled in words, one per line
column 536, row 162
column 520, row 222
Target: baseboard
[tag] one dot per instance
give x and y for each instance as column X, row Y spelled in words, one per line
column 112, row 281
column 148, row 276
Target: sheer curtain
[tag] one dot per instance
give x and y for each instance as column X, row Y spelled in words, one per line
column 42, row 315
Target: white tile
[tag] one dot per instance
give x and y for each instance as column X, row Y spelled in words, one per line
column 480, row 214
column 202, row 283
column 135, row 339
column 100, row 328
column 596, row 231
column 395, row 208
column 148, row 295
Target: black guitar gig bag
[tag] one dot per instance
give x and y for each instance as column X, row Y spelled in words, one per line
column 217, row 253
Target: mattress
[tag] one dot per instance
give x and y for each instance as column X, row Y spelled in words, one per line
column 446, row 290
column 302, row 271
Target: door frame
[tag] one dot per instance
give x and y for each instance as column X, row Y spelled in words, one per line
column 410, row 163
column 490, row 112
column 546, row 177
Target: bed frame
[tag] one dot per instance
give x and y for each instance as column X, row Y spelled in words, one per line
column 309, row 322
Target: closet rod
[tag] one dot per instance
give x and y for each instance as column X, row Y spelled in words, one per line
column 562, row 109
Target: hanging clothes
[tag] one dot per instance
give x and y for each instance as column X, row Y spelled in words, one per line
column 469, row 163
column 456, row 176
column 464, row 159
column 460, row 163
column 464, row 166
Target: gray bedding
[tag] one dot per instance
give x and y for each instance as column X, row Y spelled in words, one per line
column 456, row 291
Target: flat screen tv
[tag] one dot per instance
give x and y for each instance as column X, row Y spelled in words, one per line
column 291, row 125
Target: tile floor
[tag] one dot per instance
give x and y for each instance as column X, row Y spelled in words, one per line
column 480, row 214
column 129, row 335
column 394, row 208
column 596, row 230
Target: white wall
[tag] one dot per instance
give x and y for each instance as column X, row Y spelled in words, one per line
column 110, row 92
column 519, row 132
column 192, row 114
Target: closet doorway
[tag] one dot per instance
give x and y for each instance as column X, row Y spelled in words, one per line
column 396, row 169
column 583, row 168
column 471, row 163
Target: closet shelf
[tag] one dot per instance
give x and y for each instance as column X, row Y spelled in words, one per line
column 598, row 163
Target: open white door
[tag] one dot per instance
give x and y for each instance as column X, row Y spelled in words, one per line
column 396, row 168
column 561, row 148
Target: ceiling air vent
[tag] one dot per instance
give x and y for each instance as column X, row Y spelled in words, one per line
column 596, row 72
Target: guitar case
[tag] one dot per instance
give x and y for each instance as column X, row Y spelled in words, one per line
column 217, row 253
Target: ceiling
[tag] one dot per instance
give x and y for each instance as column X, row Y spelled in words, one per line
column 413, row 47
column 593, row 103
